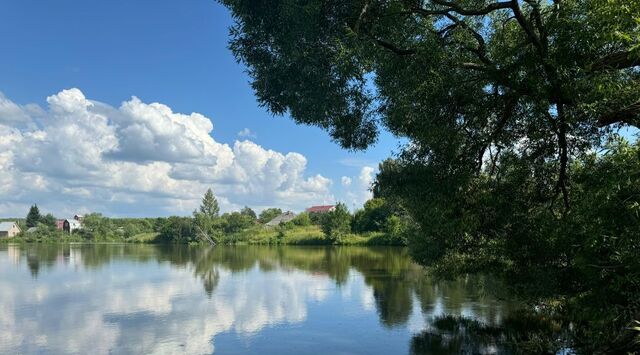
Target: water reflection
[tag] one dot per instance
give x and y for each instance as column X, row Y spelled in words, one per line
column 170, row 299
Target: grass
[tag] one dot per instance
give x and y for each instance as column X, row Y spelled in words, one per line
column 258, row 235
column 144, row 237
column 303, row 235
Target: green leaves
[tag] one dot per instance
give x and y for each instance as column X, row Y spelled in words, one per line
column 502, row 105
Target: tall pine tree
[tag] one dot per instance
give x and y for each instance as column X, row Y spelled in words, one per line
column 206, row 215
column 33, row 217
column 209, row 206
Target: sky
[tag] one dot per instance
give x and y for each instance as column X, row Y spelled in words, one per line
column 135, row 108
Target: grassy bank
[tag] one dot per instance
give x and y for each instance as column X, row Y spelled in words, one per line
column 258, row 235
column 303, row 235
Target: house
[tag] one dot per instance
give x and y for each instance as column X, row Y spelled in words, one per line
column 78, row 217
column 60, row 224
column 283, row 218
column 321, row 209
column 71, row 225
column 9, row 229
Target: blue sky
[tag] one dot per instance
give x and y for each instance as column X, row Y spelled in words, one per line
column 170, row 52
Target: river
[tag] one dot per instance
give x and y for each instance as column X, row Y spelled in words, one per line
column 145, row 299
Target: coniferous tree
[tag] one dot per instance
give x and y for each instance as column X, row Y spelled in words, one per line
column 206, row 216
column 33, row 217
column 209, row 206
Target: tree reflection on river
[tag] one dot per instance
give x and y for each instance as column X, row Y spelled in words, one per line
column 178, row 299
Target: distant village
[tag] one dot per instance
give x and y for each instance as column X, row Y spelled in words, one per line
column 11, row 229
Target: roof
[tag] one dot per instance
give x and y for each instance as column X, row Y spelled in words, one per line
column 315, row 209
column 5, row 226
column 283, row 218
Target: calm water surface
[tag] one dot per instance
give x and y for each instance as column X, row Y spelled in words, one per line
column 142, row 299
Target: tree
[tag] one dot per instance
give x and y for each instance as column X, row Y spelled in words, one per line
column 33, row 217
column 95, row 226
column 206, row 217
column 268, row 214
column 500, row 102
column 373, row 216
column 48, row 220
column 246, row 211
column 236, row 221
column 209, row 206
column 178, row 230
column 337, row 223
column 302, row 220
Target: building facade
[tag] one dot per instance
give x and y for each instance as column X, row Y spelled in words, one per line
column 9, row 229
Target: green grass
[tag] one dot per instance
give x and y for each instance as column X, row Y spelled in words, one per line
column 144, row 238
column 259, row 234
column 302, row 235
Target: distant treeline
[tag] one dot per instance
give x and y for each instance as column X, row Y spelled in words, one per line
column 379, row 222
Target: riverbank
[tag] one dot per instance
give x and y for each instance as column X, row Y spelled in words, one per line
column 256, row 235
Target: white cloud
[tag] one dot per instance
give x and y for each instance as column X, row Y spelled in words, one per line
column 358, row 189
column 247, row 133
column 137, row 159
column 366, row 177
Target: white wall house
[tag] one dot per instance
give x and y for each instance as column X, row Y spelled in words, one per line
column 9, row 229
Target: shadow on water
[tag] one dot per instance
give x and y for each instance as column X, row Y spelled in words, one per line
column 461, row 316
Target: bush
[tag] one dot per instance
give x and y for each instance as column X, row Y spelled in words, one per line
column 336, row 224
column 302, row 220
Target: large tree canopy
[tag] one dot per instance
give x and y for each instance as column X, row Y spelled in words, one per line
column 503, row 104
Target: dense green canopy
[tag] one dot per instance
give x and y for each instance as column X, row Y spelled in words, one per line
column 504, row 104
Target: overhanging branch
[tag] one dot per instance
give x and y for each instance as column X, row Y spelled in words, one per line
column 615, row 61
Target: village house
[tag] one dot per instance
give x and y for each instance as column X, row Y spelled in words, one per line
column 283, row 218
column 321, row 209
column 71, row 225
column 9, row 229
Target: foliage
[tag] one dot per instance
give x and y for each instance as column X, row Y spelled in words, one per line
column 373, row 216
column 33, row 217
column 209, row 206
column 178, row 230
column 236, row 221
column 301, row 219
column 502, row 104
column 268, row 214
column 249, row 213
column 48, row 220
column 586, row 257
column 206, row 218
column 337, row 223
column 315, row 217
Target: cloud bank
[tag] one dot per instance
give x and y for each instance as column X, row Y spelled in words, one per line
column 80, row 155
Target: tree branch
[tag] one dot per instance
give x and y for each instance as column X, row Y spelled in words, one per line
column 629, row 115
column 394, row 48
column 615, row 61
column 452, row 6
column 526, row 26
column 481, row 51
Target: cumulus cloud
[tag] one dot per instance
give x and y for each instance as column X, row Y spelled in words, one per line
column 137, row 159
column 247, row 133
column 358, row 189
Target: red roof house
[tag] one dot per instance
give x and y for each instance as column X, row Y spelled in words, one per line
column 321, row 209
